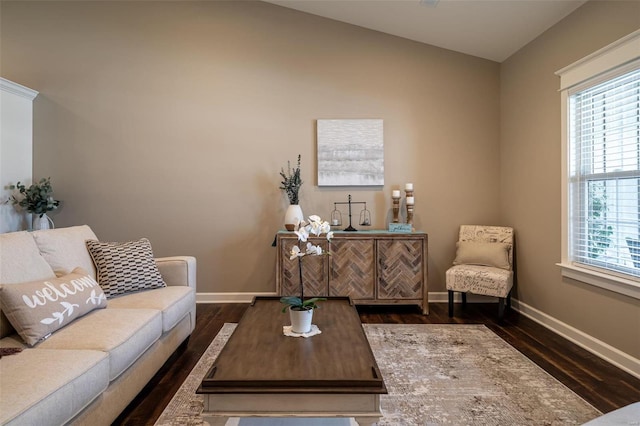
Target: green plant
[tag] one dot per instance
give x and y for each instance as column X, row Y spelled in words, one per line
column 315, row 227
column 291, row 181
column 36, row 199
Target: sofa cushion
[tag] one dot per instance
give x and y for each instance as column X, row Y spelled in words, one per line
column 39, row 308
column 20, row 261
column 125, row 267
column 64, row 248
column 124, row 333
column 174, row 301
column 41, row 387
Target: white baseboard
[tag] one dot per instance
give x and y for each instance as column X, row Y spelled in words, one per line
column 434, row 297
column 597, row 347
column 229, row 297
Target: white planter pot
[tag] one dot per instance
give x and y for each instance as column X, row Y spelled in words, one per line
column 301, row 320
column 293, row 216
column 40, row 223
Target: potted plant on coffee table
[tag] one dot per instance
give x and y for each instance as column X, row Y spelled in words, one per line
column 301, row 310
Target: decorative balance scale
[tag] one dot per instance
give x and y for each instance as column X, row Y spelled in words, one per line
column 336, row 215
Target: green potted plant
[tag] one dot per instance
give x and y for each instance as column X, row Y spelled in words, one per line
column 37, row 199
column 301, row 310
column 291, row 183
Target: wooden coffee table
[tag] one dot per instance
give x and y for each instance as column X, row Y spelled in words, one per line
column 262, row 373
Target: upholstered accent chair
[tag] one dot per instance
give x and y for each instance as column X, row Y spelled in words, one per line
column 483, row 265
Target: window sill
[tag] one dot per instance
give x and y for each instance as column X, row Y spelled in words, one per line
column 610, row 282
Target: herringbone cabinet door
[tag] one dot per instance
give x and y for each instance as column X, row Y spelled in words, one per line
column 352, row 268
column 314, row 272
column 400, row 269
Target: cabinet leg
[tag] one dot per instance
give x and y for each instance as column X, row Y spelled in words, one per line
column 366, row 421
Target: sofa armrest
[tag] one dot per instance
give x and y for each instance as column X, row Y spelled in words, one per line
column 178, row 270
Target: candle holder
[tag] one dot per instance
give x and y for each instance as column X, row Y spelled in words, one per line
column 410, row 204
column 410, row 214
column 396, row 208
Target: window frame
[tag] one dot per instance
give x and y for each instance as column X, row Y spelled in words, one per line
column 615, row 59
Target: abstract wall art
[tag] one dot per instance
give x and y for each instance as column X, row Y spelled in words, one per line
column 350, row 152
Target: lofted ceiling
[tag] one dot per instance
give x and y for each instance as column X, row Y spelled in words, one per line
column 490, row 29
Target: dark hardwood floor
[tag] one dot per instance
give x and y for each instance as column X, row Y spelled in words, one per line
column 598, row 382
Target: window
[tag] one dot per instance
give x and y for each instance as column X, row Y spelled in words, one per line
column 604, row 150
column 601, row 168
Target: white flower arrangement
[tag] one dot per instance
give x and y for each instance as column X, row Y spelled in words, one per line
column 316, row 226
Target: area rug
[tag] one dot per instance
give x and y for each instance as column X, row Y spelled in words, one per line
column 436, row 374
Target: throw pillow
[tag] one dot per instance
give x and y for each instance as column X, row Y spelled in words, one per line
column 38, row 308
column 481, row 253
column 65, row 249
column 125, row 267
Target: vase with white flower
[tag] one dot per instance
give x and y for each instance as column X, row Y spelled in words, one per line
column 301, row 310
column 291, row 183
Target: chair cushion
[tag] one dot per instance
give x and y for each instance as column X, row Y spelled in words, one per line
column 20, row 261
column 64, row 248
column 482, row 253
column 174, row 301
column 125, row 267
column 476, row 279
column 47, row 387
column 39, row 308
column 124, row 333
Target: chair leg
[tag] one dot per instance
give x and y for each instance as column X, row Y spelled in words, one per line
column 500, row 308
column 464, row 299
column 450, row 303
column 509, row 300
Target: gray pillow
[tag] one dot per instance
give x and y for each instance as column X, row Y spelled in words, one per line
column 38, row 308
column 125, row 267
column 481, row 253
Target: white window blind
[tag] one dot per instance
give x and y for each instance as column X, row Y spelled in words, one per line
column 604, row 175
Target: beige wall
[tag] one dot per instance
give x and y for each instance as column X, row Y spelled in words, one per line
column 171, row 120
column 530, row 173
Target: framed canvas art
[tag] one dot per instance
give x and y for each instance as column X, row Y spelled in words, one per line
column 350, row 152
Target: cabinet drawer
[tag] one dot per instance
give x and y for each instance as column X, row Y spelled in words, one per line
column 400, row 274
column 352, row 268
column 314, row 271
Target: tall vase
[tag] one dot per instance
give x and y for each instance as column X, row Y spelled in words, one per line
column 293, row 216
column 301, row 320
column 42, row 222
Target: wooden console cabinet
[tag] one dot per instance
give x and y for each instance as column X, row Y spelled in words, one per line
column 373, row 267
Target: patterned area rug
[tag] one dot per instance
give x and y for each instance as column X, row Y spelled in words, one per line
column 436, row 374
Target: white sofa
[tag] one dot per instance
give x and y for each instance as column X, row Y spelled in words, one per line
column 90, row 370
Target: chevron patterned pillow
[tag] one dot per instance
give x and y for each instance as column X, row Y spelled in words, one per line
column 125, row 267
